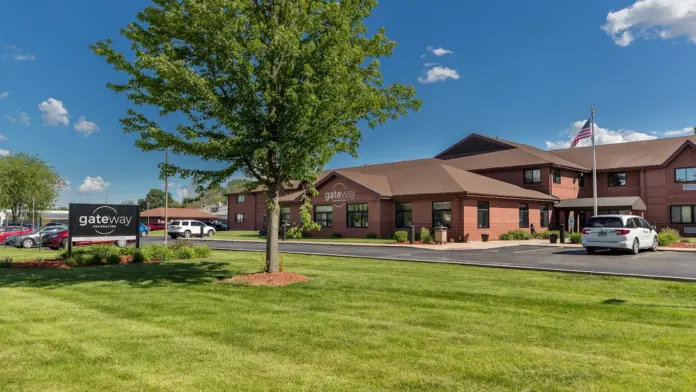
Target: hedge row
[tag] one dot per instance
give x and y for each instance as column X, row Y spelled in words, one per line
column 112, row 254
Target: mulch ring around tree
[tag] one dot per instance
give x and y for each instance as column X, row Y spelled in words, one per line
column 267, row 279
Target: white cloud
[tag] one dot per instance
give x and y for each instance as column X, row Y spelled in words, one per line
column 602, row 136
column 439, row 51
column 652, row 18
column 86, row 127
column 2, row 137
column 680, row 132
column 25, row 57
column 93, row 185
column 5, row 153
column 54, row 113
column 16, row 53
column 182, row 193
column 428, row 65
column 438, row 74
column 4, row 94
column 18, row 117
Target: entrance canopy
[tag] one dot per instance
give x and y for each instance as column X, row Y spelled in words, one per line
column 633, row 203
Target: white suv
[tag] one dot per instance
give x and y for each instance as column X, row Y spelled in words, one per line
column 627, row 232
column 189, row 228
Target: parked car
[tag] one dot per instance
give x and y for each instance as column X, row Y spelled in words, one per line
column 156, row 226
column 144, row 230
column 627, row 232
column 60, row 240
column 32, row 226
column 219, row 226
column 189, row 228
column 34, row 238
column 9, row 231
column 56, row 224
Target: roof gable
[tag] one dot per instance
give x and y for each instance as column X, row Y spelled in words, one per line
column 473, row 144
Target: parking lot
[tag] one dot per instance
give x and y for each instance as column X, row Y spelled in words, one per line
column 671, row 265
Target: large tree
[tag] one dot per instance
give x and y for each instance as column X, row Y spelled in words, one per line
column 26, row 180
column 271, row 88
column 155, row 199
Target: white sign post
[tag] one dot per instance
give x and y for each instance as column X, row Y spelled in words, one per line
column 571, row 223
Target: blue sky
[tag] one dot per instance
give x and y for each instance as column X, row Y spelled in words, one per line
column 525, row 71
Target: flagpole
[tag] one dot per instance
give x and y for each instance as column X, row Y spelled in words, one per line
column 594, row 162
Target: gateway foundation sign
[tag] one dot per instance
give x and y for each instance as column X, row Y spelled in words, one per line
column 339, row 195
column 99, row 222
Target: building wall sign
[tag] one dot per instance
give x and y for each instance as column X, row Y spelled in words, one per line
column 339, row 195
column 689, row 187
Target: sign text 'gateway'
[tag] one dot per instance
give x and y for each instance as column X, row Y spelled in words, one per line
column 339, row 195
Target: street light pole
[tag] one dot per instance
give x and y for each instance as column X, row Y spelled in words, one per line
column 166, row 194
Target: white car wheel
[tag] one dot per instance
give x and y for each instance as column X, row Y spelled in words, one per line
column 187, row 234
column 121, row 243
column 655, row 245
column 143, row 233
column 211, row 233
column 28, row 243
column 636, row 247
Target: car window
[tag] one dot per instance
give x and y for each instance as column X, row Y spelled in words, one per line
column 176, row 223
column 604, row 221
column 631, row 223
column 645, row 224
column 196, row 224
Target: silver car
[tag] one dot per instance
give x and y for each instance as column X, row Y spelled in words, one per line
column 34, row 238
column 189, row 228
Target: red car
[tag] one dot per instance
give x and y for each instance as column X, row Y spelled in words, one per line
column 156, row 226
column 9, row 231
column 60, row 240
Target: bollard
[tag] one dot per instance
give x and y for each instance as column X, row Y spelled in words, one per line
column 562, row 235
column 412, row 235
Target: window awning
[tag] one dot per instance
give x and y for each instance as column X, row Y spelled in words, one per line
column 634, row 203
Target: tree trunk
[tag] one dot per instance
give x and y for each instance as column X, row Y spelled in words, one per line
column 272, row 235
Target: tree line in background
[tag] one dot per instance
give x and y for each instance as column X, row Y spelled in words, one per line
column 27, row 182
column 209, row 197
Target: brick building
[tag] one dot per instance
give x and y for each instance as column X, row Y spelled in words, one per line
column 487, row 185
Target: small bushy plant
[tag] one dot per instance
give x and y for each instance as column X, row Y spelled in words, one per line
column 294, row 233
column 5, row 262
column 425, row 236
column 371, row 235
column 158, row 252
column 401, row 236
column 202, row 251
column 575, row 238
column 668, row 236
column 184, row 253
column 516, row 235
column 138, row 256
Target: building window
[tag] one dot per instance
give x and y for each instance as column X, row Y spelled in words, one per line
column 483, row 215
column 442, row 214
column 544, row 218
column 404, row 215
column 239, row 218
column 617, row 179
column 323, row 215
column 240, row 198
column 687, row 174
column 532, row 176
column 581, row 180
column 556, row 176
column 524, row 215
column 357, row 216
column 683, row 214
column 284, row 215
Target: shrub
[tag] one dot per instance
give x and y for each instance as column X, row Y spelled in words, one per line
column 336, row 235
column 138, row 257
column 5, row 262
column 668, row 237
column 371, row 235
column 202, row 251
column 516, row 235
column 401, row 236
column 425, row 235
column 157, row 252
column 294, row 233
column 181, row 243
column 184, row 253
column 575, row 238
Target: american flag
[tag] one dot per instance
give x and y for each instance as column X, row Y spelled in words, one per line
column 585, row 132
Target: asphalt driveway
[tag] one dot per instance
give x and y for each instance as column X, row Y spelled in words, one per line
column 666, row 265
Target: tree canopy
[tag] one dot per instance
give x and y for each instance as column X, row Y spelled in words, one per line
column 271, row 88
column 24, row 178
column 155, row 199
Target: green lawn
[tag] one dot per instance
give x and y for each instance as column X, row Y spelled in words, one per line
column 19, row 254
column 254, row 235
column 357, row 325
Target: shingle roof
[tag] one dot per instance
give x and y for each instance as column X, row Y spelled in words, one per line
column 177, row 213
column 630, row 202
column 627, row 155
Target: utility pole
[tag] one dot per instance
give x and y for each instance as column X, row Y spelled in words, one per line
column 166, row 194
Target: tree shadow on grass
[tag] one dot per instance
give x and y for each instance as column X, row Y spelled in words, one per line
column 143, row 275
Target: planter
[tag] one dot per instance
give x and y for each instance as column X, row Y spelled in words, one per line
column 484, row 237
column 553, row 238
